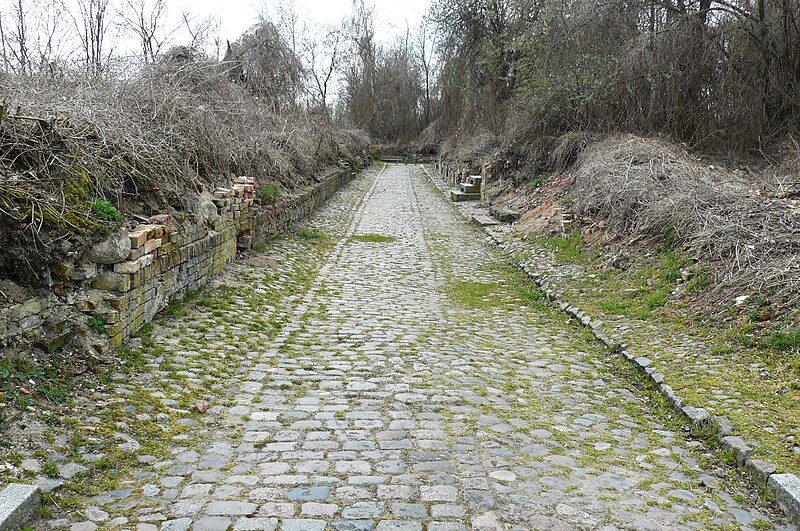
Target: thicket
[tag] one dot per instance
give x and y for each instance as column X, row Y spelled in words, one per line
column 150, row 140
column 717, row 75
column 388, row 90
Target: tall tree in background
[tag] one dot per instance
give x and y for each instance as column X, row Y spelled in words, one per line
column 323, row 55
column 424, row 59
column 92, row 25
column 146, row 20
column 14, row 36
column 359, row 90
column 32, row 36
column 711, row 73
column 399, row 94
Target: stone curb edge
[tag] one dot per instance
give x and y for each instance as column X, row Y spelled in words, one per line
column 785, row 487
column 17, row 504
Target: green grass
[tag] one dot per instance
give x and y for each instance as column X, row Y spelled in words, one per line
column 98, row 324
column 570, row 249
column 540, row 179
column 639, row 292
column 104, row 211
column 310, row 234
column 178, row 307
column 472, row 294
column 698, row 283
column 374, row 238
column 269, row 193
column 533, row 295
column 781, row 342
column 50, row 470
column 50, row 381
column 513, row 289
column 728, row 354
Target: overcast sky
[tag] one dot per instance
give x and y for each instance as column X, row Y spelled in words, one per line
column 392, row 17
column 236, row 16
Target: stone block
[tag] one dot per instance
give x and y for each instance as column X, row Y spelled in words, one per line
column 723, row 425
column 483, row 220
column 85, row 306
column 786, row 489
column 138, row 237
column 118, row 303
column 152, row 245
column 740, row 449
column 112, row 250
column 698, row 416
column 86, row 271
column 504, row 214
column 137, row 253
column 760, row 470
column 458, row 196
column 129, row 267
column 17, row 504
column 112, row 282
column 154, row 231
column 160, row 219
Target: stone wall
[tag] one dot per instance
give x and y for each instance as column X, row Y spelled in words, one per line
column 121, row 283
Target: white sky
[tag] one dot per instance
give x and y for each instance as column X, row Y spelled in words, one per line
column 236, row 16
column 392, row 17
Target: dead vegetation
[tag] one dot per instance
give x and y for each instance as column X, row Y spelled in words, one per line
column 147, row 144
column 646, row 187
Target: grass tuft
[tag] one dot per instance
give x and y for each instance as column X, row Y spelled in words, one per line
column 374, row 238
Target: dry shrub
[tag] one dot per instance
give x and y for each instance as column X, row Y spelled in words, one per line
column 567, row 150
column 148, row 143
column 783, row 178
column 647, row 187
column 471, row 150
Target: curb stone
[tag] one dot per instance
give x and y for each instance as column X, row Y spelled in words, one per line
column 785, row 487
column 17, row 504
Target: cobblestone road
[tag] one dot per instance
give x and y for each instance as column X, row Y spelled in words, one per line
column 418, row 383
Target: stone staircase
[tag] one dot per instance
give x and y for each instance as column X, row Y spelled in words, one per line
column 469, row 190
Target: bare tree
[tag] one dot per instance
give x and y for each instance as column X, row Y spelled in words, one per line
column 424, row 57
column 50, row 32
column 92, row 27
column 323, row 56
column 146, row 20
column 15, row 39
column 359, row 90
column 201, row 30
column 31, row 35
column 289, row 19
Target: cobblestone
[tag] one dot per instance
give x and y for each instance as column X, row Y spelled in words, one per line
column 411, row 384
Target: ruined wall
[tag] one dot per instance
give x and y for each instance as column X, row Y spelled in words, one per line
column 121, row 283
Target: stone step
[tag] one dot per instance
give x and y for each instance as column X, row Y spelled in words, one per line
column 482, row 220
column 458, row 196
column 504, row 214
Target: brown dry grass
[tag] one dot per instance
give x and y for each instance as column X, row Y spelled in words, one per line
column 641, row 186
